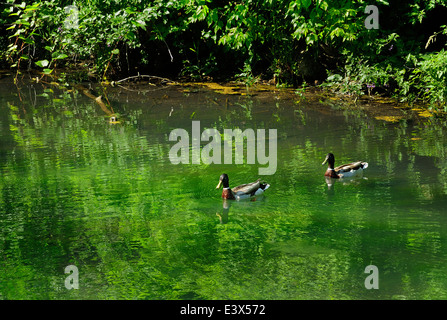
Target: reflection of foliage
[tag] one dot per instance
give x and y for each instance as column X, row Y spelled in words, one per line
column 247, row 107
column 76, row 190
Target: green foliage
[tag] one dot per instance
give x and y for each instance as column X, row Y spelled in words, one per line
column 429, row 78
column 290, row 41
column 50, row 31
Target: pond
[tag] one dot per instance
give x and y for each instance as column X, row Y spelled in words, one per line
column 79, row 190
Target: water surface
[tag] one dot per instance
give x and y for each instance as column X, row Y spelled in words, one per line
column 78, row 190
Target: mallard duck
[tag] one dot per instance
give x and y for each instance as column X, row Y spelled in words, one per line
column 345, row 170
column 243, row 191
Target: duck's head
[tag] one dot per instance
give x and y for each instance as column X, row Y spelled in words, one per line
column 330, row 159
column 223, row 181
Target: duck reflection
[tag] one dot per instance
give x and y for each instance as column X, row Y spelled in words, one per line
column 223, row 216
column 346, row 181
column 330, row 185
column 226, row 204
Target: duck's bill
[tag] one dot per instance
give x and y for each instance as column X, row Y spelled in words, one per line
column 325, row 160
column 219, row 184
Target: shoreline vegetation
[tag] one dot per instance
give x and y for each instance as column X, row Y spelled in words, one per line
column 386, row 109
column 285, row 44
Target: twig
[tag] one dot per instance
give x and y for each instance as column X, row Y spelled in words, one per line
column 169, row 51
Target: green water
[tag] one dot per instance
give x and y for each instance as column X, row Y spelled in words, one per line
column 78, row 190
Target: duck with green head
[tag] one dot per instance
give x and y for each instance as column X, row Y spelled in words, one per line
column 345, row 170
column 243, row 191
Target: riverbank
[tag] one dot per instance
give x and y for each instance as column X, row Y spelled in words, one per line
column 376, row 106
column 340, row 44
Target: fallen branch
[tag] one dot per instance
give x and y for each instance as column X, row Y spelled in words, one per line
column 97, row 99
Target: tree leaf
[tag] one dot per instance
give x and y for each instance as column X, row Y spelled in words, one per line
column 42, row 63
column 60, row 56
column 306, row 3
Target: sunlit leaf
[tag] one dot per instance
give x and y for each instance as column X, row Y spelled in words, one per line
column 42, row 63
column 60, row 56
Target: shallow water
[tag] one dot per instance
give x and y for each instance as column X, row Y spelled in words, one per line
column 78, row 190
